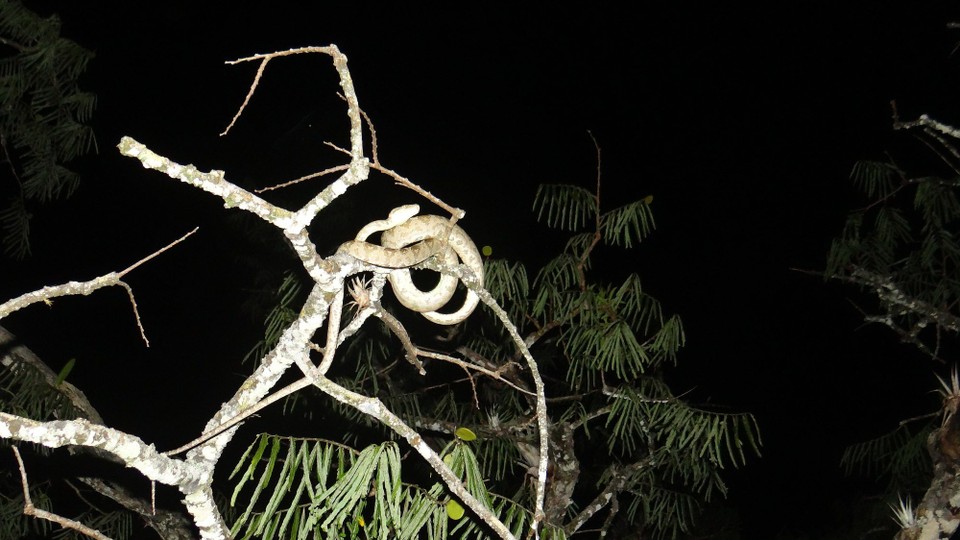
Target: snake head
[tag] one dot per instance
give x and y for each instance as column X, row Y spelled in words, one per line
column 402, row 213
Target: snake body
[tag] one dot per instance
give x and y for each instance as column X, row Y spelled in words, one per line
column 408, row 240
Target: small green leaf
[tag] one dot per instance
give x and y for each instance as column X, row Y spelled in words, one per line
column 454, row 510
column 62, row 376
column 465, row 434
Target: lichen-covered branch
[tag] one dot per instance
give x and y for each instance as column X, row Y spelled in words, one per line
column 70, row 288
column 31, row 510
column 132, row 450
column 322, row 308
column 375, row 408
column 619, row 476
column 898, row 301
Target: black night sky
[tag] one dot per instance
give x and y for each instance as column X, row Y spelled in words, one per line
column 742, row 122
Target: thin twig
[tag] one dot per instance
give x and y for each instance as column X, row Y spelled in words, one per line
column 373, row 136
column 304, row 178
column 30, row 510
column 467, row 365
column 269, row 400
column 395, row 326
column 130, row 268
column 246, row 99
column 136, row 312
column 457, row 213
column 71, row 288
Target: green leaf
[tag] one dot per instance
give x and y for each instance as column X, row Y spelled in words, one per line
column 454, row 510
column 62, row 376
column 465, row 434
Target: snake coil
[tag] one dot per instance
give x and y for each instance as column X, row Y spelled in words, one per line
column 409, row 239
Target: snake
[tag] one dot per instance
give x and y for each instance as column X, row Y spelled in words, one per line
column 408, row 239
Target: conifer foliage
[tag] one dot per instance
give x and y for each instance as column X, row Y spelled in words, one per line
column 626, row 452
column 43, row 124
column 901, row 250
column 543, row 415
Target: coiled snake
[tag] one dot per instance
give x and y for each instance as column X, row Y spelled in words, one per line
column 408, row 240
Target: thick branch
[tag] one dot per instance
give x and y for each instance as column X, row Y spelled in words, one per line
column 130, row 449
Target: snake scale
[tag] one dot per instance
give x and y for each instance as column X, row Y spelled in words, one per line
column 408, row 239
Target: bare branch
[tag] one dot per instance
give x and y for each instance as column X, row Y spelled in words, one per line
column 86, row 287
column 469, row 366
column 273, row 398
column 193, row 474
column 403, row 181
column 926, row 121
column 30, row 510
column 375, row 408
column 618, row 480
column 66, row 289
column 129, row 448
column 310, row 176
column 156, row 253
column 168, row 524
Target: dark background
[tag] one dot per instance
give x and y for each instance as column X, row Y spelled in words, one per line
column 742, row 122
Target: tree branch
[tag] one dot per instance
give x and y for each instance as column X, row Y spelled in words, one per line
column 31, row 510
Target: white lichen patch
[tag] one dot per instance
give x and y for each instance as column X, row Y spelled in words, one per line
column 422, row 447
column 129, row 148
column 201, row 509
column 369, row 406
column 152, row 161
column 36, row 434
column 72, row 431
column 127, row 450
column 955, row 500
column 210, row 453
